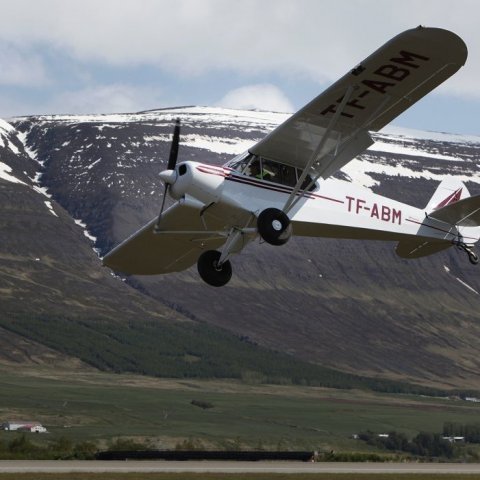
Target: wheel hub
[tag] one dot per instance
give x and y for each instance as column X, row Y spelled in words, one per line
column 277, row 225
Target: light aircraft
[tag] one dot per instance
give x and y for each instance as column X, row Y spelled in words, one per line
column 282, row 186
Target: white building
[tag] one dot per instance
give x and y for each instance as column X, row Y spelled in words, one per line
column 454, row 439
column 16, row 425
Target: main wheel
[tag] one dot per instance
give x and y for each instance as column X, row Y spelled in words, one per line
column 274, row 226
column 210, row 272
column 473, row 257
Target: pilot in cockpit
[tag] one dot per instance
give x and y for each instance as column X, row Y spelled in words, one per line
column 259, row 171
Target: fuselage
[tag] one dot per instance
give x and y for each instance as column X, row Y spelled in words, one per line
column 332, row 208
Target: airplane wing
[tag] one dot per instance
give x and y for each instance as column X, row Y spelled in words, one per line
column 333, row 128
column 182, row 239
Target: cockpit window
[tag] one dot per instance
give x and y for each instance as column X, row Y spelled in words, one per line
column 288, row 175
column 263, row 169
column 268, row 170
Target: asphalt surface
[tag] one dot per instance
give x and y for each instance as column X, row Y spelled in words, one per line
column 59, row 466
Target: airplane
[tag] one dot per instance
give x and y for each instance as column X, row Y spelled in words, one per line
column 283, row 185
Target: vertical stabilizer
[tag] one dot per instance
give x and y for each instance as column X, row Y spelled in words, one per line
column 449, row 191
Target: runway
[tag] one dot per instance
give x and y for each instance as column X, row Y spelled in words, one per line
column 68, row 466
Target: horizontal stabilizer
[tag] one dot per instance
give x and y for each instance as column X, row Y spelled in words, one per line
column 419, row 248
column 464, row 213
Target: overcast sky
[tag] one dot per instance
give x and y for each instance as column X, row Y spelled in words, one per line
column 104, row 56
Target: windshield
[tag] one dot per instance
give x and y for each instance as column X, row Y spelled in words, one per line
column 240, row 162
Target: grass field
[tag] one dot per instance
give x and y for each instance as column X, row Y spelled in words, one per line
column 100, row 407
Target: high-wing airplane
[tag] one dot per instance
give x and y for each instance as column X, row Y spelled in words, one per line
column 282, row 186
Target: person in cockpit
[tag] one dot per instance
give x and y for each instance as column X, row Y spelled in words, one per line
column 257, row 171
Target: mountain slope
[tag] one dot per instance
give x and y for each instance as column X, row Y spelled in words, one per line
column 344, row 304
column 58, row 303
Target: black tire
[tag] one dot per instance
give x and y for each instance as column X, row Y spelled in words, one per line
column 208, row 271
column 274, row 226
column 473, row 257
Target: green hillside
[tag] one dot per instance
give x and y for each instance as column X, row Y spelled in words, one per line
column 183, row 350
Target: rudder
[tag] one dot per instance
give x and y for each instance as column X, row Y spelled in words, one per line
column 449, row 191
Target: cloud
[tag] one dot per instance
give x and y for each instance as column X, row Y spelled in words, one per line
column 114, row 98
column 108, row 98
column 257, row 97
column 20, row 68
column 307, row 37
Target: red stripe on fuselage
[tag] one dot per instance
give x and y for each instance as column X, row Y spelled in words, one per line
column 258, row 183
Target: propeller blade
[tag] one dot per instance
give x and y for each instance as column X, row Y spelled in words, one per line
column 172, row 161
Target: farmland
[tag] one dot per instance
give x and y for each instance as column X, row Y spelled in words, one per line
column 102, row 408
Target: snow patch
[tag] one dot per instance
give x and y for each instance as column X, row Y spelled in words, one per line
column 6, row 128
column 426, row 135
column 397, row 149
column 85, row 231
column 5, row 171
column 50, row 207
column 193, row 115
column 229, row 146
column 13, row 147
column 466, row 285
column 93, row 164
column 22, row 136
column 232, row 146
column 359, row 168
column 42, row 191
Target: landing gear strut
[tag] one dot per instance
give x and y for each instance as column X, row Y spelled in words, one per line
column 472, row 256
column 211, row 272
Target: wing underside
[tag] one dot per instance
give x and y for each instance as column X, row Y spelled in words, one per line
column 182, row 239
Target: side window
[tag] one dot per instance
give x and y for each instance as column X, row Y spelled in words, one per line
column 254, row 168
column 270, row 171
column 263, row 170
column 287, row 175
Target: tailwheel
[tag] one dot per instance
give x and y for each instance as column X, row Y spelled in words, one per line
column 274, row 226
column 211, row 272
column 473, row 257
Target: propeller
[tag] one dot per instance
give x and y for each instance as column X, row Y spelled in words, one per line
column 169, row 176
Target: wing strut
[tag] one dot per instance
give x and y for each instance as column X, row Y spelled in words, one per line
column 291, row 201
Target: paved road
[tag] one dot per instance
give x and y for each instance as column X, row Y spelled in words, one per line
column 47, row 466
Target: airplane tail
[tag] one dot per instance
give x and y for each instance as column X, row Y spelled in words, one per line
column 451, row 204
column 449, row 191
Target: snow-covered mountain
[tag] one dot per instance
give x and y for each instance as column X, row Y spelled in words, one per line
column 346, row 304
